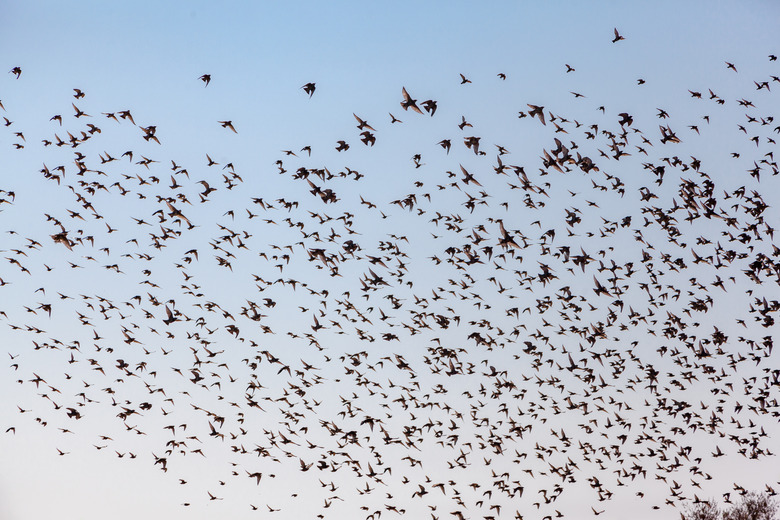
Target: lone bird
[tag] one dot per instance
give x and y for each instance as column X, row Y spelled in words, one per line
column 228, row 124
column 309, row 88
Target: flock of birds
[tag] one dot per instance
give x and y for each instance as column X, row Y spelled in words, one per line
column 509, row 329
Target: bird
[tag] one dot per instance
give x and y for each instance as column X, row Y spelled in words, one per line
column 206, row 79
column 537, row 111
column 228, row 125
column 408, row 102
column 309, row 88
column 362, row 125
column 617, row 37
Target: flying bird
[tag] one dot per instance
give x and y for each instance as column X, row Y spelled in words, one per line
column 408, row 102
column 228, row 125
column 309, row 88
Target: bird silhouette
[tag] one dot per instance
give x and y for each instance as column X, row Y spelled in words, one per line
column 309, row 88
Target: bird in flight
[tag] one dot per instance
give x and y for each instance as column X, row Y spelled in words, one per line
column 309, row 88
column 408, row 102
column 228, row 125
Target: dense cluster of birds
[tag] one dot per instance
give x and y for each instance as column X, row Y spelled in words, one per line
column 508, row 329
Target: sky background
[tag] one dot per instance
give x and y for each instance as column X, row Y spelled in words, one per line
column 146, row 57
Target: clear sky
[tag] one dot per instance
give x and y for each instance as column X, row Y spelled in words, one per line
column 431, row 336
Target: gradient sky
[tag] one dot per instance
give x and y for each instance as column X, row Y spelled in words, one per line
column 146, row 57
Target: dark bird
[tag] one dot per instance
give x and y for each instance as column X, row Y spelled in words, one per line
column 229, row 125
column 408, row 102
column 537, row 111
column 430, row 106
column 309, row 88
column 362, row 125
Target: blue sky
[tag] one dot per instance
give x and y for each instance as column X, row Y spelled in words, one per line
column 146, row 58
